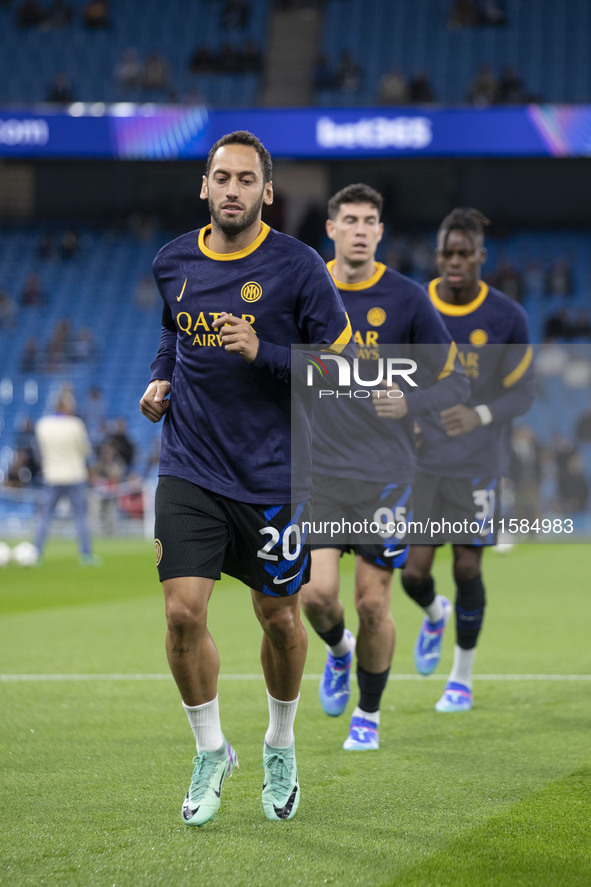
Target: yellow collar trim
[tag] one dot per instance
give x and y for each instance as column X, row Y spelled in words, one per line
column 231, row 257
column 363, row 284
column 457, row 310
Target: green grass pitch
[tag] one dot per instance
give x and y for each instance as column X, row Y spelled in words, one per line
column 94, row 764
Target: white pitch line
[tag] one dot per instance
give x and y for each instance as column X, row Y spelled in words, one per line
column 32, row 678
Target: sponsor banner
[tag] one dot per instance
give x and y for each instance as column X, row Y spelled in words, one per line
column 150, row 132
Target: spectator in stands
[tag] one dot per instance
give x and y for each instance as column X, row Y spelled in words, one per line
column 251, row 59
column 420, row 90
column 69, row 243
column 156, row 77
column 96, row 14
column 202, row 61
column 583, row 432
column 60, row 90
column 30, row 361
column 581, row 325
column 84, row 349
column 59, row 15
column 349, row 73
column 507, row 278
column 235, row 15
column 484, row 88
column 59, row 349
column 30, row 14
column 511, row 91
column 526, row 472
column 559, row 279
column 557, row 326
column 573, row 487
column 146, row 295
column 21, row 470
column 463, row 14
column 129, row 70
column 46, row 246
column 492, row 12
column 32, row 293
column 393, row 88
column 7, row 311
column 120, row 440
column 229, row 59
column 323, row 76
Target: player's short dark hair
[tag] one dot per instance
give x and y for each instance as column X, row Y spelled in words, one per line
column 243, row 137
column 467, row 219
column 358, row 193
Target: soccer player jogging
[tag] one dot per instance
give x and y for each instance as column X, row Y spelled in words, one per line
column 364, row 459
column 462, row 453
column 236, row 295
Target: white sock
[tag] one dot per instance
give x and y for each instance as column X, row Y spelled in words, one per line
column 434, row 611
column 205, row 723
column 281, row 717
column 367, row 715
column 343, row 647
column 463, row 665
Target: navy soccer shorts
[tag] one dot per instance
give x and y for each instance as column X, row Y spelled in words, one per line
column 459, row 510
column 366, row 517
column 204, row 534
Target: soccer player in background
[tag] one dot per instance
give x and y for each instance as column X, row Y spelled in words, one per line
column 236, row 295
column 463, row 454
column 364, row 459
column 64, row 448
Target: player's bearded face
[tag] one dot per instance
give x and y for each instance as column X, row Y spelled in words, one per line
column 244, row 212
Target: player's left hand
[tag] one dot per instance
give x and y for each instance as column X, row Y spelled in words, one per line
column 387, row 406
column 460, row 419
column 238, row 336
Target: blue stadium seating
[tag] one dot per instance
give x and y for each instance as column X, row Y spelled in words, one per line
column 32, row 56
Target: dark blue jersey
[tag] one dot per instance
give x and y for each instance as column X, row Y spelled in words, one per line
column 350, row 440
column 228, row 425
column 491, row 333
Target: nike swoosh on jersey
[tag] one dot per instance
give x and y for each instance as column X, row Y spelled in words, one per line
column 277, row 581
column 178, row 298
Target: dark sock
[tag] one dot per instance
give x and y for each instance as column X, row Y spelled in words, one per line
column 470, row 605
column 371, row 687
column 420, row 590
column 333, row 635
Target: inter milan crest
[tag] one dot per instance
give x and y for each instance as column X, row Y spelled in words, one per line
column 251, row 291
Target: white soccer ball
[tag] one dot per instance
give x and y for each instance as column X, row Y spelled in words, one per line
column 25, row 554
column 4, row 554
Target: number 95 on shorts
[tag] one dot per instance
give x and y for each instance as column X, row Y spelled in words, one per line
column 202, row 533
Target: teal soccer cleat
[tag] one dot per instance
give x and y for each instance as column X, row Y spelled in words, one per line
column 212, row 768
column 281, row 789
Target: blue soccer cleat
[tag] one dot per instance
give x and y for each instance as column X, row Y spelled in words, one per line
column 428, row 645
column 456, row 697
column 363, row 735
column 335, row 684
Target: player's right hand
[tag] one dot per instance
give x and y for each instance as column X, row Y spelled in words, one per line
column 155, row 403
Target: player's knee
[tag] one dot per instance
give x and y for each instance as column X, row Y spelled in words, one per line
column 466, row 565
column 372, row 609
column 280, row 626
column 317, row 598
column 182, row 617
